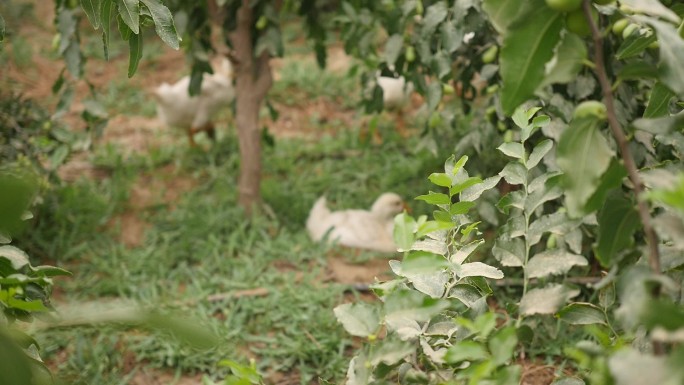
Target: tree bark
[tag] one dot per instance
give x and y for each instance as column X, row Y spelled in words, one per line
column 253, row 79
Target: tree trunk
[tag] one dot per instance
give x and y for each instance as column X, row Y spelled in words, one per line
column 253, row 80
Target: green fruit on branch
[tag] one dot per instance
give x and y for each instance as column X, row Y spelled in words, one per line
column 490, row 54
column 630, row 29
column 590, row 108
column 577, row 23
column 619, row 26
column 564, row 5
column 261, row 23
column 410, row 54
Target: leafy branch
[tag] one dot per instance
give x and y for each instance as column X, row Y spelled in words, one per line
column 619, row 135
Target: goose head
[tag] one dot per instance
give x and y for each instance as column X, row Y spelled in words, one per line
column 388, row 205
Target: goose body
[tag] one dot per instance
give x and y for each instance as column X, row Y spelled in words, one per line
column 395, row 91
column 177, row 108
column 364, row 229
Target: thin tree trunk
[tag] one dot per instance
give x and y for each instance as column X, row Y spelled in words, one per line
column 253, row 80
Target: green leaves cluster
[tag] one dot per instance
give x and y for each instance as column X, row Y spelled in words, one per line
column 436, row 310
column 24, row 289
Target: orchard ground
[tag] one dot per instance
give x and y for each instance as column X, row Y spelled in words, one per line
column 143, row 217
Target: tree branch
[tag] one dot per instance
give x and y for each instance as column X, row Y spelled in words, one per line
column 619, row 135
column 264, row 78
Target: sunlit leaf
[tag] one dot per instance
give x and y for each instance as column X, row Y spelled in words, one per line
column 404, row 229
column 478, row 269
column 474, row 192
column 359, row 319
column 546, row 300
column 580, row 313
column 539, row 151
column 553, row 262
column 513, row 149
column 514, row 173
column 466, row 351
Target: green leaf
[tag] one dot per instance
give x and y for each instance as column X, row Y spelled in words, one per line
column 551, row 191
column 163, row 23
column 653, row 8
column 359, row 319
column 434, row 198
column 421, row 262
column 467, row 294
column 390, row 352
column 553, row 262
column 458, row 187
column 477, row 269
column 630, row 367
column 105, row 21
column 583, row 155
column 129, row 10
column 539, row 151
column 135, row 45
column 92, row 10
column 502, row 345
column 502, row 13
column 30, row 306
column 546, row 300
column 472, row 193
column 618, row 220
column 659, row 101
column 514, row 173
column 452, row 37
column 404, row 229
column 434, row 15
column 461, row 208
column 634, row 45
column 432, row 226
column 581, row 313
column 393, row 49
column 570, row 56
column 556, row 223
column 513, row 149
column 466, row 351
column 434, row 95
column 440, row 179
column 671, row 66
column 637, row 70
column 663, row 313
column 410, row 304
column 2, row 28
column 17, row 257
column 464, row 252
column 610, row 180
column 536, row 34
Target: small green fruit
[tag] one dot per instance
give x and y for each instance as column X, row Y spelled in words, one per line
column 619, row 26
column 508, row 136
column 410, row 54
column 435, row 120
column 261, row 23
column 564, row 5
column 490, row 54
column 630, row 29
column 448, row 89
column 551, row 242
column 577, row 23
column 590, row 108
column 654, row 45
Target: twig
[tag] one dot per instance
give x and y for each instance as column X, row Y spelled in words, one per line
column 619, row 135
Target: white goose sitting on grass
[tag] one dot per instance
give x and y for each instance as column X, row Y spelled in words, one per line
column 361, row 229
column 176, row 108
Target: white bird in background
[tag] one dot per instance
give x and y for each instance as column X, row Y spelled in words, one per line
column 395, row 91
column 176, row 108
column 357, row 228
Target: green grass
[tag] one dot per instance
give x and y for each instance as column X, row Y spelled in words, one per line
column 206, row 246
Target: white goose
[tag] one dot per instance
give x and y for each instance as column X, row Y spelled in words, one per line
column 177, row 108
column 357, row 228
